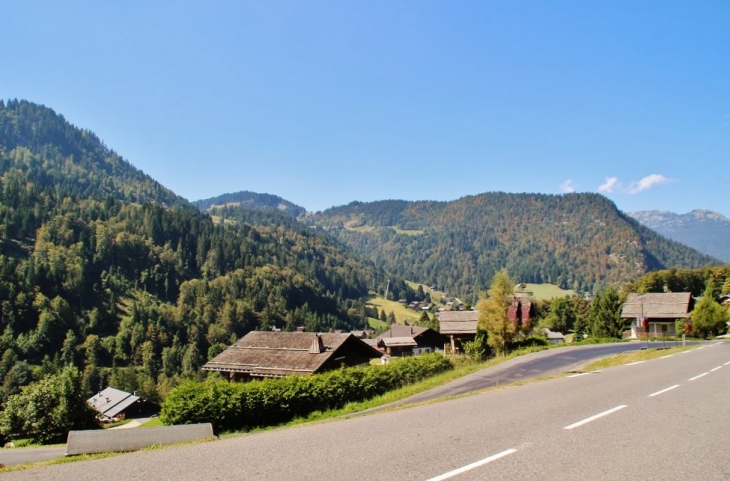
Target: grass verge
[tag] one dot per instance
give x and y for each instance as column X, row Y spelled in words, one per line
column 634, row 356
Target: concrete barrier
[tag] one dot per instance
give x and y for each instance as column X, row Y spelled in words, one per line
column 106, row 441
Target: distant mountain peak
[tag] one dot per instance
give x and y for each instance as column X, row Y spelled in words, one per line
column 704, row 230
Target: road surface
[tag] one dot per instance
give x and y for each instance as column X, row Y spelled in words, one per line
column 661, row 419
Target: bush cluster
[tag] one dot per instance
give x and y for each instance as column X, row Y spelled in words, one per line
column 244, row 406
column 526, row 342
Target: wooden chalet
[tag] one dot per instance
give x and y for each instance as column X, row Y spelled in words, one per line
column 262, row 354
column 114, row 404
column 458, row 327
column 660, row 310
column 405, row 340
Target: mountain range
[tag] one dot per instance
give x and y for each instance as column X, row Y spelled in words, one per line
column 577, row 241
column 704, row 230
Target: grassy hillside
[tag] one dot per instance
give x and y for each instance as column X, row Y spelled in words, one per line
column 548, row 291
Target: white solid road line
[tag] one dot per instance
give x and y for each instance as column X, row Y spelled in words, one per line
column 726, row 363
column 635, row 362
column 579, row 374
column 593, row 418
column 668, row 355
column 697, row 377
column 471, row 466
column 715, row 369
column 664, row 390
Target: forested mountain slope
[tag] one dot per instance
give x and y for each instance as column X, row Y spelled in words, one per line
column 704, row 230
column 103, row 268
column 252, row 201
column 577, row 241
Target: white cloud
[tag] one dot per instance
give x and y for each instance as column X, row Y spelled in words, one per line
column 567, row 187
column 646, row 183
column 610, row 184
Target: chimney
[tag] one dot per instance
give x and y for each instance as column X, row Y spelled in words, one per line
column 317, row 345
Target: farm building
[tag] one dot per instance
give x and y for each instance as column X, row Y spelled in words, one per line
column 261, row 354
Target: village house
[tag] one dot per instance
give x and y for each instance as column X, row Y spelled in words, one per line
column 402, row 340
column 262, row 354
column 655, row 313
column 114, row 404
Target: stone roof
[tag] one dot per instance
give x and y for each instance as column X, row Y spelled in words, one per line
column 268, row 354
column 658, row 305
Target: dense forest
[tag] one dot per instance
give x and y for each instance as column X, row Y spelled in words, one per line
column 577, row 241
column 104, row 269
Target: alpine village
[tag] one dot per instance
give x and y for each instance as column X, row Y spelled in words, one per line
column 122, row 302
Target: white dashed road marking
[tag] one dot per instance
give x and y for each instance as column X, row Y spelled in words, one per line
column 471, row 466
column 594, row 417
column 664, row 390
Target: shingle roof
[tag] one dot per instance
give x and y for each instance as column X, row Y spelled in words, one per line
column 399, row 342
column 658, row 305
column 458, row 322
column 399, row 330
column 264, row 353
column 111, row 402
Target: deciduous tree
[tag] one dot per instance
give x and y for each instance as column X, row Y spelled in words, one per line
column 493, row 312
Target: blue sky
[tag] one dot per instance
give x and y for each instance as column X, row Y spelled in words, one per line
column 324, row 103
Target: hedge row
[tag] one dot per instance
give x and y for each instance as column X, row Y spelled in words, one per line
column 243, row 406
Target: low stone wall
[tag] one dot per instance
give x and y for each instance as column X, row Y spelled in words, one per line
column 119, row 440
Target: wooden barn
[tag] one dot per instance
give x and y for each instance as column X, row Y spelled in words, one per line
column 262, row 354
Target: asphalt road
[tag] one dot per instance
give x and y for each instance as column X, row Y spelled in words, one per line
column 539, row 364
column 662, row 419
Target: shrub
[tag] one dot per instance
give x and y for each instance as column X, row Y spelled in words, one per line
column 45, row 411
column 527, row 342
column 234, row 406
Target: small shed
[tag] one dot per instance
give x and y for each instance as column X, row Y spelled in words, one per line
column 654, row 313
column 554, row 337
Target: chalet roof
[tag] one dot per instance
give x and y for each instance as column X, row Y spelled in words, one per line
column 111, row 401
column 399, row 342
column 265, row 353
column 375, row 343
column 458, row 322
column 658, row 305
column 400, row 330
